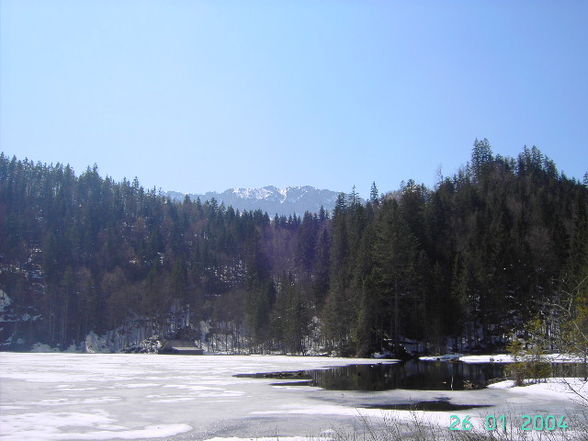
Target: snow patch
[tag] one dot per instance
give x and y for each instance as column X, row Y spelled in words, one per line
column 507, row 358
column 96, row 344
column 255, row 193
column 497, row 358
column 41, row 347
column 561, row 388
column 5, row 301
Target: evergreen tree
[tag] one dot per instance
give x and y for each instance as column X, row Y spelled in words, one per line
column 489, row 249
column 374, row 194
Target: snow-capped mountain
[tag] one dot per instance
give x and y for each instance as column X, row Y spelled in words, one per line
column 273, row 200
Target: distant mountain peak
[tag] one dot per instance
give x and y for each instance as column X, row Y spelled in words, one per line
column 263, row 193
column 273, row 200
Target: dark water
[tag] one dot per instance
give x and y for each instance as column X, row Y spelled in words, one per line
column 433, row 406
column 412, row 374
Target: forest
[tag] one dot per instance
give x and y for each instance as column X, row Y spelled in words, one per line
column 460, row 266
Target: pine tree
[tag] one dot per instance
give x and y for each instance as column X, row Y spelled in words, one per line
column 374, row 194
column 481, row 157
column 338, row 310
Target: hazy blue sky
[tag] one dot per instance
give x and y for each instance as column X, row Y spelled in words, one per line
column 205, row 95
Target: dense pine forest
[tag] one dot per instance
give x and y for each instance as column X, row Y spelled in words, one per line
column 457, row 267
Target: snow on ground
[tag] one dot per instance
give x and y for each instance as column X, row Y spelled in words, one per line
column 563, row 358
column 562, row 388
column 507, row 358
column 496, row 358
column 62, row 396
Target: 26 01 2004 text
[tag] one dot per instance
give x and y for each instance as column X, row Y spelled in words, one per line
column 537, row 423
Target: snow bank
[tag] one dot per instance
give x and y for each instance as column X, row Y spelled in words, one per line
column 507, row 358
column 561, row 388
column 496, row 358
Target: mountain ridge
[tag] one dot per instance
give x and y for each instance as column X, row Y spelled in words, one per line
column 271, row 199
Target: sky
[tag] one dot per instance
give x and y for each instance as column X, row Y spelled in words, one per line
column 197, row 96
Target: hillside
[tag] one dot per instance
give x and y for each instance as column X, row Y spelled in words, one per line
column 459, row 266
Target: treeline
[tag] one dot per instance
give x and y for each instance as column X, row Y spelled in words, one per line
column 462, row 264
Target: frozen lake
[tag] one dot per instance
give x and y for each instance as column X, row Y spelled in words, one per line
column 60, row 396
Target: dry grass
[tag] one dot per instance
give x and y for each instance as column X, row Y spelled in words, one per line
column 391, row 429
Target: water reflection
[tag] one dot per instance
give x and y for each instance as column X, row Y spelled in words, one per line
column 412, row 374
column 431, row 406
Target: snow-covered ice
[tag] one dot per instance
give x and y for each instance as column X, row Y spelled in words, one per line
column 63, row 396
column 133, row 396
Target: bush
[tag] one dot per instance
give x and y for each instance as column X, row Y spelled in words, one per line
column 517, row 372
